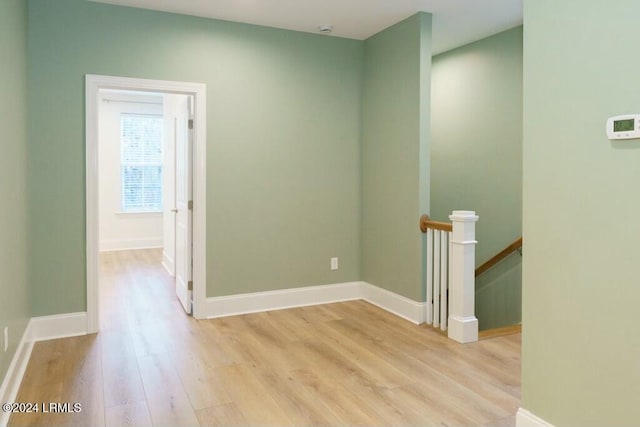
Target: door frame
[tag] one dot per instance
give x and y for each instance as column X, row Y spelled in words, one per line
column 93, row 84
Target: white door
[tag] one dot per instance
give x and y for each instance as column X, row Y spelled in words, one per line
column 184, row 265
column 170, row 111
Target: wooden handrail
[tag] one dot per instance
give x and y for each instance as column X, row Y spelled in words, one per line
column 426, row 223
column 499, row 257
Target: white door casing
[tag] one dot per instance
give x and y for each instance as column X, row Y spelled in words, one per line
column 93, row 84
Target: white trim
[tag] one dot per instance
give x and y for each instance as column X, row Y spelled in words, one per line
column 141, row 214
column 464, row 242
column 256, row 302
column 463, row 329
column 13, row 378
column 525, row 418
column 199, row 220
column 168, row 263
column 93, row 84
column 38, row 329
column 281, row 299
column 464, row 216
column 58, row 326
column 399, row 305
column 128, row 244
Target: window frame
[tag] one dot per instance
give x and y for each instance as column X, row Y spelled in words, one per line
column 141, row 211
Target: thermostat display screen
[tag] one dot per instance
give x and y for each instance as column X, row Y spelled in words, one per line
column 623, row 125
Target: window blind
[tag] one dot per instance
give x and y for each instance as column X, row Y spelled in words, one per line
column 141, row 163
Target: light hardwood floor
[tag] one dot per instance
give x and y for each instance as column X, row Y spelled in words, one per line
column 348, row 363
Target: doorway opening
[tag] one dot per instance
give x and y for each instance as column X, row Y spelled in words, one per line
column 145, row 189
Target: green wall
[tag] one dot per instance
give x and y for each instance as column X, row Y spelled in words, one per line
column 283, row 177
column 14, row 291
column 581, row 345
column 395, row 155
column 476, row 159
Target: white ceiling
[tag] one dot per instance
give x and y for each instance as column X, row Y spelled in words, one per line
column 455, row 22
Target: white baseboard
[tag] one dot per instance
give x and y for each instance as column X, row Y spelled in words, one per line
column 281, row 299
column 399, row 305
column 314, row 295
column 13, row 378
column 38, row 329
column 58, row 326
column 168, row 264
column 463, row 329
column 525, row 418
column 130, row 244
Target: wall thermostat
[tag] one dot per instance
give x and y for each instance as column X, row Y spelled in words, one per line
column 624, row 127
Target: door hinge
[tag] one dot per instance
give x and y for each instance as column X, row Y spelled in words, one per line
column 190, row 285
column 190, row 123
column 190, row 205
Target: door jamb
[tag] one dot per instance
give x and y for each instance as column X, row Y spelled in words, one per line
column 93, row 84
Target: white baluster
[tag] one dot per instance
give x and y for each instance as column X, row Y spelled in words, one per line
column 429, row 255
column 444, row 301
column 463, row 324
column 436, row 278
column 449, row 281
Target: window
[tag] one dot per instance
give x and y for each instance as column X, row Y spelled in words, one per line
column 141, row 163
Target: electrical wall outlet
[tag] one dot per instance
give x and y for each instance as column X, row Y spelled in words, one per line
column 334, row 263
column 6, row 338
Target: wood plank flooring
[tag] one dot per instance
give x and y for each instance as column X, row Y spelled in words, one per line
column 347, row 363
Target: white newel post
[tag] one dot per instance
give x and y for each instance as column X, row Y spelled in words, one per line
column 463, row 324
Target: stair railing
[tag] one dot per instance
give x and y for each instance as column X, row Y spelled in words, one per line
column 515, row 246
column 450, row 276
